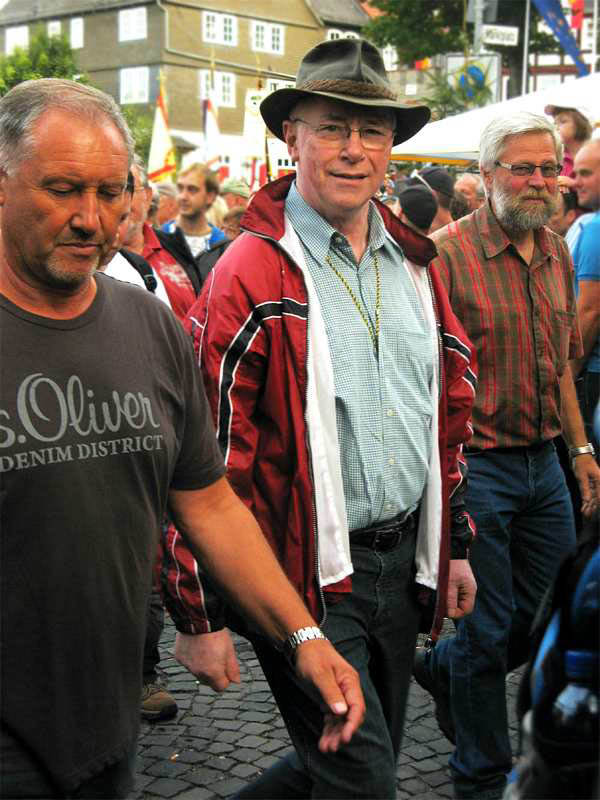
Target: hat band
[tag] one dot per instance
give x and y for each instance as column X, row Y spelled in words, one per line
column 351, row 88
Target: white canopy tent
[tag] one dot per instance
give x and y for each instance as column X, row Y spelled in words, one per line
column 455, row 140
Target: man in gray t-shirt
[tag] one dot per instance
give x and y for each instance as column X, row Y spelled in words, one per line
column 103, row 428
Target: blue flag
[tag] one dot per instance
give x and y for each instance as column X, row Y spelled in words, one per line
column 553, row 14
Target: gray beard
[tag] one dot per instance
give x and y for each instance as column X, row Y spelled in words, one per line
column 513, row 217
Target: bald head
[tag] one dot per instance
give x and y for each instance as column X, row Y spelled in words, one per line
column 586, row 171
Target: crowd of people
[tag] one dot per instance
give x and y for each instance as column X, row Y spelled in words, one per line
column 327, row 417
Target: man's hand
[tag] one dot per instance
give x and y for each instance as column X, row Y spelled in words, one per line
column 210, row 657
column 587, row 473
column 319, row 663
column 461, row 589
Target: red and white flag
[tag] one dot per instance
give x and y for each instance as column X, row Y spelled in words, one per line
column 161, row 161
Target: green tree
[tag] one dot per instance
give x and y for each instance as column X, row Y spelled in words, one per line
column 46, row 57
column 424, row 28
column 140, row 123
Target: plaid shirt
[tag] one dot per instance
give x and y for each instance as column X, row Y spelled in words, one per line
column 522, row 321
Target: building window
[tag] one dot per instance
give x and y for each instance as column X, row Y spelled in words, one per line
column 133, row 24
column 76, row 33
column 53, row 27
column 267, row 38
column 390, row 57
column 133, row 84
column 16, row 37
column 218, row 87
column 274, row 85
column 333, row 33
column 219, row 28
column 351, row 35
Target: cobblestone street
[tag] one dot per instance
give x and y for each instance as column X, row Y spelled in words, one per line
column 219, row 742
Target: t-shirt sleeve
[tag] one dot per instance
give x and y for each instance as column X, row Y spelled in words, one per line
column 588, row 265
column 200, row 462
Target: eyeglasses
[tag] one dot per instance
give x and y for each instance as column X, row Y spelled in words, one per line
column 548, row 170
column 372, row 137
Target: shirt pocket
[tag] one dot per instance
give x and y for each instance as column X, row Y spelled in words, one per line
column 560, row 332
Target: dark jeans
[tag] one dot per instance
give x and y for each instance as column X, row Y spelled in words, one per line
column 588, row 395
column 23, row 776
column 524, row 519
column 155, row 621
column 375, row 629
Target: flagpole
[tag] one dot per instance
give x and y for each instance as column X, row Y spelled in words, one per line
column 594, row 36
column 526, row 48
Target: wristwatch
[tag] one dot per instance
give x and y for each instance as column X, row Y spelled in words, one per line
column 584, row 450
column 298, row 637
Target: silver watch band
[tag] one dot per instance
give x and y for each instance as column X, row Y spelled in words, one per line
column 586, row 449
column 298, row 637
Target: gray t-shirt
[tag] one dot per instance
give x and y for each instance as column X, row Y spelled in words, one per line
column 99, row 416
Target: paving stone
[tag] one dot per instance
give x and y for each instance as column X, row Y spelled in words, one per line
column 256, row 716
column 197, row 793
column 201, row 728
column 246, row 754
column 442, row 746
column 168, row 769
column 222, row 763
column 220, row 748
column 427, row 765
column 405, row 772
column 191, row 757
column 272, row 745
column 252, row 741
column 158, row 739
column 166, row 787
column 418, row 751
column 421, row 733
column 244, row 770
column 201, row 776
column 414, row 785
column 227, row 724
column 255, row 728
column 229, row 736
column 228, row 786
column 225, row 713
column 266, row 762
column 436, row 778
column 156, row 751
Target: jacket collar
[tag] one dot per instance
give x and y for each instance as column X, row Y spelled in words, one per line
column 265, row 216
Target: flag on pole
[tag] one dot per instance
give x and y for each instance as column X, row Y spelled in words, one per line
column 212, row 135
column 577, row 11
column 161, row 161
column 552, row 13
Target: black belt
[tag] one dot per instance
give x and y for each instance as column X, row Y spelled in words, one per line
column 384, row 535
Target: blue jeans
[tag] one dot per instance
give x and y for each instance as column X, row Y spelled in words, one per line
column 375, row 629
column 522, row 509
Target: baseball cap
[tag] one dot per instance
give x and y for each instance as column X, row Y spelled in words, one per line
column 419, row 205
column 439, row 179
column 235, row 186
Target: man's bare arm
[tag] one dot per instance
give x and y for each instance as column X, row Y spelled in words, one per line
column 233, row 550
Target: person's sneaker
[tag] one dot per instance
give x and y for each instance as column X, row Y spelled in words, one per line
column 423, row 677
column 157, row 703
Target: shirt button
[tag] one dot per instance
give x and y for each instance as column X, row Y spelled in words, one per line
column 390, row 412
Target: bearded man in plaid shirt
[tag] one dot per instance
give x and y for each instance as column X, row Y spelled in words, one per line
column 510, row 282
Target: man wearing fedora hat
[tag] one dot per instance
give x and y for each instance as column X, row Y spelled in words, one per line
column 341, row 385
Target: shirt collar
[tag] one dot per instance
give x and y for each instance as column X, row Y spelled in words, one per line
column 317, row 234
column 494, row 239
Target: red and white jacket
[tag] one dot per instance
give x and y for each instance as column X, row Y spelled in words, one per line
column 274, row 415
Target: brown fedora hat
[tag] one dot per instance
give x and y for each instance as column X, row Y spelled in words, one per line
column 351, row 70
